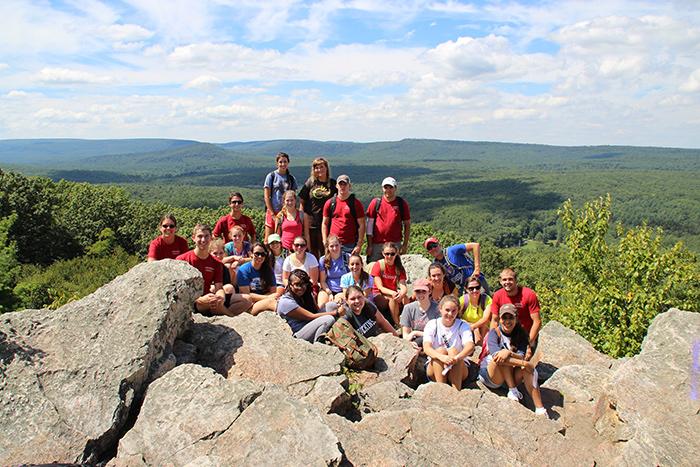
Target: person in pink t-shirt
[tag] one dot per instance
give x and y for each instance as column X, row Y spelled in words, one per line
column 389, row 283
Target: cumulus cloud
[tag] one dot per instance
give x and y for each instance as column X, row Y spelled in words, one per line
column 4, row 66
column 127, row 32
column 692, row 84
column 67, row 76
column 204, row 83
column 220, row 55
column 61, row 116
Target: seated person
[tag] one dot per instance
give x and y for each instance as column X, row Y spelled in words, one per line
column 389, row 283
column 362, row 314
column 416, row 314
column 167, row 245
column 300, row 259
column 476, row 309
column 440, row 284
column 298, row 307
column 213, row 299
column 257, row 280
column 448, row 341
column 274, row 244
column 459, row 264
column 331, row 268
column 216, row 249
column 502, row 362
column 357, row 276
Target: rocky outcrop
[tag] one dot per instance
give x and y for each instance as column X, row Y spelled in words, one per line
column 193, row 416
column 70, row 377
column 230, row 391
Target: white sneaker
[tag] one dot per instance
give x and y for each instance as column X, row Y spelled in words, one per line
column 542, row 412
column 514, row 394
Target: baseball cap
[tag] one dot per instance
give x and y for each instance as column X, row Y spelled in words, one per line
column 430, row 240
column 273, row 238
column 389, row 181
column 421, row 284
column 343, row 178
column 508, row 309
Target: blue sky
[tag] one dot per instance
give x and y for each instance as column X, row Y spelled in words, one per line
column 564, row 72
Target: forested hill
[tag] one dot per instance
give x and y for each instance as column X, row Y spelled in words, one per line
column 504, row 192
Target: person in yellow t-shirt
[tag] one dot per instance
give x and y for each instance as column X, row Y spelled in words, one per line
column 476, row 309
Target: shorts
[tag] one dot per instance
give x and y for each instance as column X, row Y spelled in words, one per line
column 269, row 219
column 484, row 378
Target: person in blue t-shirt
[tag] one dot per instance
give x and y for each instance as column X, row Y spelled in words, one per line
column 457, row 261
column 276, row 183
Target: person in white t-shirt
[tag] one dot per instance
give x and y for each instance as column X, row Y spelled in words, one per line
column 448, row 341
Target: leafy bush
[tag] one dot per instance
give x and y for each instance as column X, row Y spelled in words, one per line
column 614, row 287
column 9, row 267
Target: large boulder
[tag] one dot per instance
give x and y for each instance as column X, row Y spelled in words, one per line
column 261, row 348
column 649, row 406
column 416, row 266
column 396, row 358
column 71, row 377
column 193, row 416
column 561, row 347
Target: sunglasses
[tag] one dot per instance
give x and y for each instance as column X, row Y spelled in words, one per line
column 236, row 202
column 168, row 226
column 300, row 245
column 259, row 254
column 431, row 246
column 507, row 318
column 389, row 254
column 474, row 289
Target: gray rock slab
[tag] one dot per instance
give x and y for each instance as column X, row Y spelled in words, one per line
column 193, row 416
column 394, row 359
column 384, row 396
column 71, row 376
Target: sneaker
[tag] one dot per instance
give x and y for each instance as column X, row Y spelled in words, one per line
column 542, row 412
column 514, row 394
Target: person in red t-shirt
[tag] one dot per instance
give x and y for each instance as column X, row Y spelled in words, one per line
column 525, row 301
column 389, row 283
column 235, row 217
column 388, row 223
column 349, row 229
column 214, row 300
column 167, row 245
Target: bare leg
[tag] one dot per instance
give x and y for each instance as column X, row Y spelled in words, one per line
column 456, row 374
column 323, row 298
column 437, row 367
column 495, row 373
column 395, row 310
column 527, row 377
column 267, row 304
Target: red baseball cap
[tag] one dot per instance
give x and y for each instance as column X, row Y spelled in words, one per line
column 430, row 240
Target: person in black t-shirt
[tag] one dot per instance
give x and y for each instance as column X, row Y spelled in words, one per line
column 317, row 189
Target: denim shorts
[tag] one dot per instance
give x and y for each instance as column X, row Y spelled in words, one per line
column 484, row 378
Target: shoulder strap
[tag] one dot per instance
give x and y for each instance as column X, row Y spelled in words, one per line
column 351, row 205
column 381, row 266
column 377, row 204
column 482, row 301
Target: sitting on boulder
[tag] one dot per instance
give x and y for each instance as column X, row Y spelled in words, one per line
column 503, row 360
column 448, row 341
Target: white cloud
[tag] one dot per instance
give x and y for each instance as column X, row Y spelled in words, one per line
column 67, row 76
column 4, row 66
column 51, row 115
column 220, row 55
column 127, row 32
column 692, row 84
column 204, row 83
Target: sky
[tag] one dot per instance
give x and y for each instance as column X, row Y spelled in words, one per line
column 554, row 72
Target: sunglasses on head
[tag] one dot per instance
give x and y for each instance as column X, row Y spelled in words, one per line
column 168, row 226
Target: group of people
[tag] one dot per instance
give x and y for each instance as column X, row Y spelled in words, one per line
column 309, row 269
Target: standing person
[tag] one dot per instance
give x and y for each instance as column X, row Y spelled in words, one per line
column 503, row 361
column 389, row 283
column 298, row 307
column 317, row 189
column 300, row 259
column 476, row 309
column 213, row 296
column 168, row 245
column 235, row 217
column 416, row 314
column 448, row 341
column 525, row 302
column 363, row 315
column 457, row 261
column 388, row 220
column 289, row 222
column 332, row 266
column 276, row 183
column 344, row 216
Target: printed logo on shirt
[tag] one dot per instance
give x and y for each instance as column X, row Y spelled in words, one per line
column 366, row 326
column 208, row 269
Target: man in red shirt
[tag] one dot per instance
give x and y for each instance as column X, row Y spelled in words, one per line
column 525, row 301
column 388, row 223
column 347, row 222
column 235, row 217
column 214, row 301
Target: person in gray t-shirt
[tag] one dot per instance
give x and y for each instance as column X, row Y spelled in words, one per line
column 416, row 314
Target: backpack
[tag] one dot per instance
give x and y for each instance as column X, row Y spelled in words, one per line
column 351, row 204
column 360, row 353
column 378, row 202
